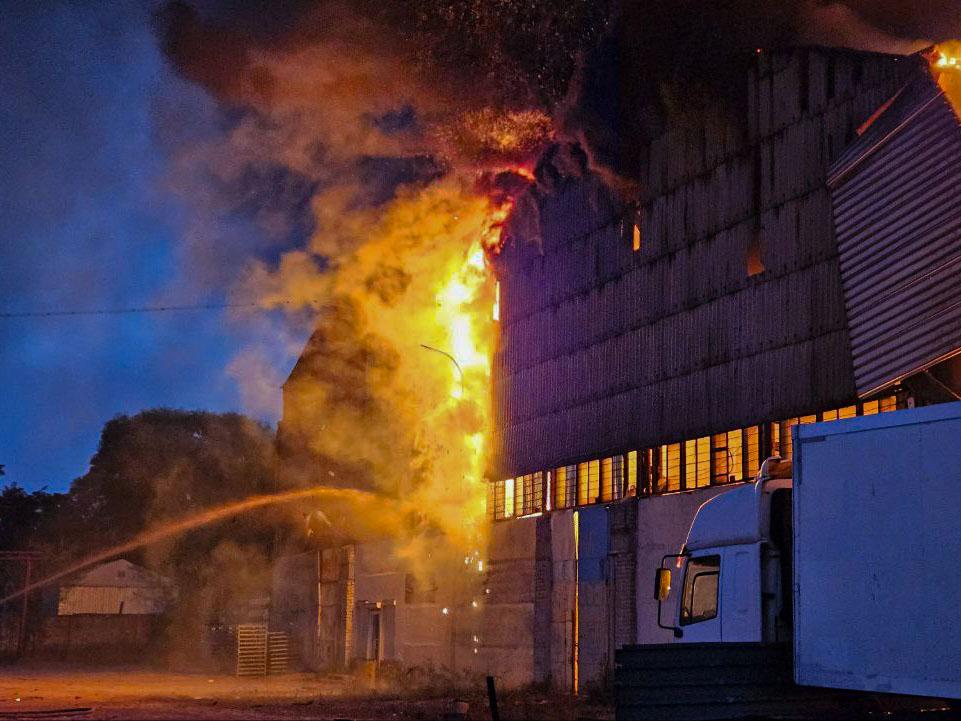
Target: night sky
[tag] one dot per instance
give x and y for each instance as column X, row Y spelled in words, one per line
column 89, row 222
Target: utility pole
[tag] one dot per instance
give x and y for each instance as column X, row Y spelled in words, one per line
column 27, row 558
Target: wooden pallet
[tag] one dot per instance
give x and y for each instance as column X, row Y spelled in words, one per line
column 251, row 649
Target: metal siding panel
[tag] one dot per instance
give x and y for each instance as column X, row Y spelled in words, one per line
column 898, row 224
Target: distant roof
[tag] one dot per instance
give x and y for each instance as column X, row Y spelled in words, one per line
column 119, row 574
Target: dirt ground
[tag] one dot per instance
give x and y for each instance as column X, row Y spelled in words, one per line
column 62, row 693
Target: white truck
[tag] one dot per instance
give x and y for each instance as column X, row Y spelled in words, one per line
column 850, row 570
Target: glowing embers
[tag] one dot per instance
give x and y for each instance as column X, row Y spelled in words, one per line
column 946, row 62
column 946, row 67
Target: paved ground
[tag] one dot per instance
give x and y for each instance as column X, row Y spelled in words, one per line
column 137, row 694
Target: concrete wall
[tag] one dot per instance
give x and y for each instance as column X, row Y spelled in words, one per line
column 535, row 581
column 415, row 633
column 507, row 639
column 564, row 579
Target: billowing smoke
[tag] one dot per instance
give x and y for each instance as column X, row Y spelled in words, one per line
column 381, row 146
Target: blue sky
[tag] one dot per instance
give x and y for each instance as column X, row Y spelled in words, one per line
column 86, row 223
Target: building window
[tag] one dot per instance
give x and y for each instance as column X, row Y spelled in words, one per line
column 752, row 451
column 529, row 493
column 537, row 492
column 496, row 500
column 588, row 482
column 728, row 458
column 697, row 463
column 667, row 471
column 612, row 478
column 565, row 487
column 636, row 238
column 755, row 252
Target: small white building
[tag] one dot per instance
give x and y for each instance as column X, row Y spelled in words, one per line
column 114, row 588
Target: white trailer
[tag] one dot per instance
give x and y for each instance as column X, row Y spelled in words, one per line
column 843, row 572
column 877, row 553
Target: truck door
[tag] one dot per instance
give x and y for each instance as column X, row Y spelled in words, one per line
column 699, row 613
column 741, row 593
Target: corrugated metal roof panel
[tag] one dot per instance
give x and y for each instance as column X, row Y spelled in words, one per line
column 896, row 194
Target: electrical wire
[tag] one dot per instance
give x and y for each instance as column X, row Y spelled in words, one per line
column 134, row 310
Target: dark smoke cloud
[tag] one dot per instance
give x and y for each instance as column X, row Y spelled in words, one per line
column 668, row 60
column 514, row 54
column 610, row 72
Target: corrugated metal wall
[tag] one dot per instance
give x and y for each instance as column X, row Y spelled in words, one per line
column 604, row 349
column 897, row 210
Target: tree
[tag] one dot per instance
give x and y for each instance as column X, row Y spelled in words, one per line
column 163, row 464
column 166, row 465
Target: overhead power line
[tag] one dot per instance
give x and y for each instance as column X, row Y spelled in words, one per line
column 140, row 309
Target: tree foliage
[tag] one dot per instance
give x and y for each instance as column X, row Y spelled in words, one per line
column 153, row 468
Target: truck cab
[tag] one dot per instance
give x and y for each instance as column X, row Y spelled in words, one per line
column 735, row 566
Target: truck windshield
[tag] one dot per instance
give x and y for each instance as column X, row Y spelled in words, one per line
column 699, row 600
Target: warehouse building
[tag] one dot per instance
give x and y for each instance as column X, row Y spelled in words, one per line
column 790, row 262
column 793, row 257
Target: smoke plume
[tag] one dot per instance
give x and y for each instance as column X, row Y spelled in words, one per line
column 382, row 145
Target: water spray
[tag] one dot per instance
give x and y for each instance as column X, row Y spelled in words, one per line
column 201, row 519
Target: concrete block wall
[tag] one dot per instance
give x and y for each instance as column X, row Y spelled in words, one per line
column 537, row 576
column 507, row 632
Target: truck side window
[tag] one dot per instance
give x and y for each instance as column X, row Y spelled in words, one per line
column 699, row 601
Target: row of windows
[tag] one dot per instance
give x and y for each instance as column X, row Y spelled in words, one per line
column 713, row 460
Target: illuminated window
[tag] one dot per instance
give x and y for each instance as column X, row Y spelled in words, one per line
column 612, row 478
column 496, row 312
column 776, row 439
column 631, row 474
column 755, row 252
column 728, row 459
column 829, row 416
column 870, row 408
column 847, row 412
column 548, row 493
column 636, row 239
column 697, row 463
column 805, row 420
column 787, row 447
column 533, row 493
column 581, row 484
column 565, row 487
column 498, row 500
column 529, row 494
column 508, row 498
column 588, row 482
column 889, row 404
column 521, row 496
column 538, row 492
column 752, row 450
column 667, row 474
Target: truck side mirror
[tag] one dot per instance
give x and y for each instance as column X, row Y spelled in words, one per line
column 662, row 584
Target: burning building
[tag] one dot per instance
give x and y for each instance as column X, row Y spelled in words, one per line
column 789, row 258
column 792, row 262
